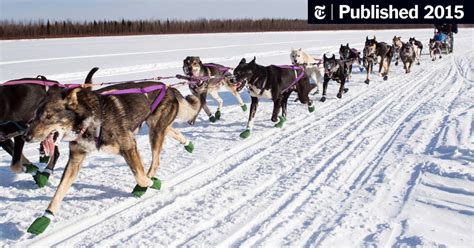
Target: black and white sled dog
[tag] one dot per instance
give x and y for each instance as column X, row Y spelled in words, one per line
column 213, row 77
column 397, row 45
column 418, row 46
column 337, row 70
column 350, row 54
column 311, row 66
column 408, row 56
column 435, row 49
column 372, row 51
column 275, row 83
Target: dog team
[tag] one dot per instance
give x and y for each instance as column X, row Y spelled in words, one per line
column 106, row 119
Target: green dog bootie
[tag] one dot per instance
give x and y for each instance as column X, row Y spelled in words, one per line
column 156, row 183
column 218, row 115
column 189, row 147
column 311, row 109
column 245, row 134
column 138, row 191
column 31, row 168
column 41, row 178
column 41, row 223
column 212, row 119
column 281, row 122
column 244, row 107
column 44, row 159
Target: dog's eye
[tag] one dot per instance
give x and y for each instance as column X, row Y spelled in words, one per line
column 49, row 116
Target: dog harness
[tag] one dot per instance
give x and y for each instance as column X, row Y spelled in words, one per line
column 297, row 77
column 144, row 90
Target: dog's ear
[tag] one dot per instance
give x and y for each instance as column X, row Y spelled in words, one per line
column 341, row 45
column 333, row 56
column 71, row 98
column 324, row 56
column 367, row 38
column 253, row 60
column 347, row 45
column 242, row 61
column 374, row 38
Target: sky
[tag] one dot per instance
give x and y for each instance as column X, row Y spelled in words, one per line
column 80, row 10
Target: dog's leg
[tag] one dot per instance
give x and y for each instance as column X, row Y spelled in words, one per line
column 369, row 70
column 284, row 104
column 206, row 108
column 156, row 141
column 8, row 146
column 76, row 157
column 381, row 65
column 325, row 88
column 41, row 178
column 342, row 89
column 132, row 157
column 17, row 163
column 277, row 104
column 237, row 96
column 214, row 94
column 178, row 136
column 253, row 110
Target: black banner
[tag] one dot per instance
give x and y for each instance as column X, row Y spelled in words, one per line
column 390, row 12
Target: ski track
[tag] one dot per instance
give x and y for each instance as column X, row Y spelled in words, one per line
column 327, row 190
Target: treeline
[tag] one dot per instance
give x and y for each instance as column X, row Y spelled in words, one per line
column 54, row 29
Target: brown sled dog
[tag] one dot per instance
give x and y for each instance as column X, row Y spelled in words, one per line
column 93, row 121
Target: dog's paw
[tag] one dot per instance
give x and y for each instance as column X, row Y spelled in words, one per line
column 40, row 224
column 245, row 134
column 367, row 81
column 189, row 147
column 339, row 95
column 346, row 90
column 212, row 119
column 323, row 99
column 385, row 78
column 418, row 63
column 244, row 107
column 41, row 179
column 311, row 109
column 139, row 191
column 396, row 63
column 281, row 122
column 31, row 168
column 156, row 183
column 218, row 115
column 191, row 122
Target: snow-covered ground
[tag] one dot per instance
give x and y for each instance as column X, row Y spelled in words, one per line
column 390, row 164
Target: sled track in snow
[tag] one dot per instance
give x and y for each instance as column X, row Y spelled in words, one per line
column 224, row 172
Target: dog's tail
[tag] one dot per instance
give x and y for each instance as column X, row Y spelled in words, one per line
column 189, row 108
column 90, row 74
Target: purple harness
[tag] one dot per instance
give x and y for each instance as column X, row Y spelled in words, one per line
column 298, row 77
column 149, row 89
column 221, row 68
column 45, row 83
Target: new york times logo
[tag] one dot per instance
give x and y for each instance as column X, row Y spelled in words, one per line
column 378, row 12
column 319, row 12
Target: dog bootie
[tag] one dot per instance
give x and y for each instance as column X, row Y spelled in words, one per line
column 41, row 223
column 31, row 168
column 311, row 108
column 244, row 107
column 212, row 119
column 281, row 122
column 138, row 191
column 189, row 147
column 323, row 99
column 218, row 115
column 245, row 134
column 156, row 183
column 41, row 178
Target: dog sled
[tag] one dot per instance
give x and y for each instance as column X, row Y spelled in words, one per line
column 444, row 34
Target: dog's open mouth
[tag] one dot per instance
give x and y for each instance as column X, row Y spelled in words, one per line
column 50, row 142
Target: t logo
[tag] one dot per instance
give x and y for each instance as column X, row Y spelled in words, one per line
column 319, row 12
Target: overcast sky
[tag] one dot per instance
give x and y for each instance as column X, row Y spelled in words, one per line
column 150, row 9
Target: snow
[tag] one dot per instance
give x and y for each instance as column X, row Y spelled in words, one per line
column 389, row 164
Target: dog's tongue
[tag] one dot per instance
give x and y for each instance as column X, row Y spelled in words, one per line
column 48, row 145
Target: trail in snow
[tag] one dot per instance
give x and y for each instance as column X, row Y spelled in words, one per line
column 390, row 164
